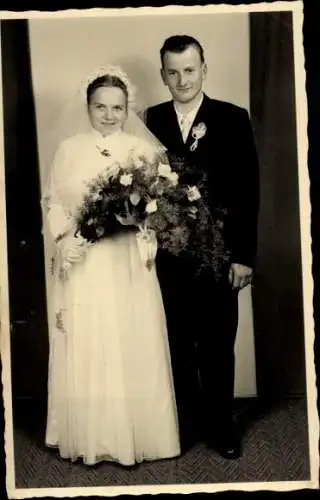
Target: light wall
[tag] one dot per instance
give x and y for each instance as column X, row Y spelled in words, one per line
column 64, row 51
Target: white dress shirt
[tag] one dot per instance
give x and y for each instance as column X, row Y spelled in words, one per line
column 186, row 120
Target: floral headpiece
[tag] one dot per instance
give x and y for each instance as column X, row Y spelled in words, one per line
column 111, row 70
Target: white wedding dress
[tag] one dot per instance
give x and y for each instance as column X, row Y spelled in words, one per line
column 110, row 387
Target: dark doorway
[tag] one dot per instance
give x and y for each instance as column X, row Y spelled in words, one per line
column 27, row 292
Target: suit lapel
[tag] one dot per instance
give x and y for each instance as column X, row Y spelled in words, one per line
column 174, row 129
column 196, row 120
column 201, row 117
column 172, row 132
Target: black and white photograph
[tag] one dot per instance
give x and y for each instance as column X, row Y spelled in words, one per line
column 157, row 330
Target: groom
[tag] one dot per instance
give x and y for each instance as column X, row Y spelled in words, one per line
column 202, row 314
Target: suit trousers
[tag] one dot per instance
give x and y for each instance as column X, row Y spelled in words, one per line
column 202, row 320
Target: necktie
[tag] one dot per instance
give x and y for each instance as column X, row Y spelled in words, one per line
column 184, row 127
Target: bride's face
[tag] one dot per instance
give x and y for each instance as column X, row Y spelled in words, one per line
column 107, row 109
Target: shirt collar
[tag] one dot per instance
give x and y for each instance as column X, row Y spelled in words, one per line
column 192, row 113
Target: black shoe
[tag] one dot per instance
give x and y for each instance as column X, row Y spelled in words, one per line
column 227, row 443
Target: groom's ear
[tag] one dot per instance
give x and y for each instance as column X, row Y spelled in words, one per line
column 163, row 76
column 204, row 70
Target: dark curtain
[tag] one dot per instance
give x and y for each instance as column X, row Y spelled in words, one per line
column 27, row 296
column 311, row 47
column 277, row 295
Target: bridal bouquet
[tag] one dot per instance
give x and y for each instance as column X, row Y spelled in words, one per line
column 165, row 204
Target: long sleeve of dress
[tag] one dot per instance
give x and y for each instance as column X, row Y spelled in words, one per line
column 55, row 212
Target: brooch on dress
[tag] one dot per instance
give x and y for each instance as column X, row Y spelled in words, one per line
column 104, row 152
column 198, row 132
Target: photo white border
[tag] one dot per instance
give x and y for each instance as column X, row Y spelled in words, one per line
column 305, row 216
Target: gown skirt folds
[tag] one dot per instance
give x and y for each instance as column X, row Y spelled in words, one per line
column 110, row 387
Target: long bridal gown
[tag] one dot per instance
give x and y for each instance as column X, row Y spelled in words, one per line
column 110, row 387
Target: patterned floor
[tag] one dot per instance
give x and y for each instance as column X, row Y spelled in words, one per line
column 275, row 449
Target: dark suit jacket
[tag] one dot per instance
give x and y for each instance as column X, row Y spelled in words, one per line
column 227, row 153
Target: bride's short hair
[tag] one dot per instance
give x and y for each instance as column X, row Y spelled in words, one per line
column 106, row 81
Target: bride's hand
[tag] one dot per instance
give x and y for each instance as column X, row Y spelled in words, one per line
column 72, row 249
column 128, row 220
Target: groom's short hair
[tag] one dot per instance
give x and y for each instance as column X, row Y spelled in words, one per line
column 179, row 43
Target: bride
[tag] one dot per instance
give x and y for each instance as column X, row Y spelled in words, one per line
column 110, row 387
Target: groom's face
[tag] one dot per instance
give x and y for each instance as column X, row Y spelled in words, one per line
column 183, row 73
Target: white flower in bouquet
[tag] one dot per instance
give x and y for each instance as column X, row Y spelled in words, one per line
column 193, row 193
column 112, row 170
column 151, row 207
column 142, row 154
column 165, row 171
column 126, row 179
column 193, row 212
column 174, row 178
column 135, row 198
column 96, row 196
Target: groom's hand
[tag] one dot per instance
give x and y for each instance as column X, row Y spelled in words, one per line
column 239, row 276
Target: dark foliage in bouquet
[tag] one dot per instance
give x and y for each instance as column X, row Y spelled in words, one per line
column 168, row 196
column 200, row 220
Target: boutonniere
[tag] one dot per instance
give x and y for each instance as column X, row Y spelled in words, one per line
column 198, row 131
